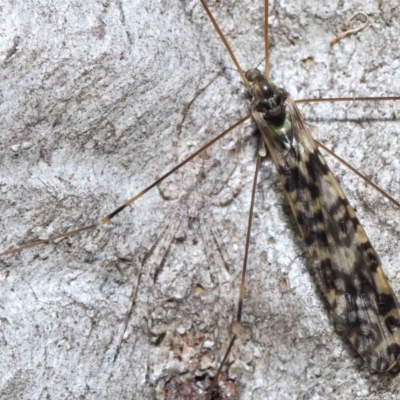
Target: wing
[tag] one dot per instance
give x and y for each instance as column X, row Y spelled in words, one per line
column 348, row 268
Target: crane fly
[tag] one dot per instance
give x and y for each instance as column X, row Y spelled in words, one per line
column 69, row 294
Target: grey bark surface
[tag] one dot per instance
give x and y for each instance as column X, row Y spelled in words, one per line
column 91, row 96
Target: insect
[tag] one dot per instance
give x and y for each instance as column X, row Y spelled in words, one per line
column 63, row 293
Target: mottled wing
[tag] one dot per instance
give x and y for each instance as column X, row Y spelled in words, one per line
column 347, row 266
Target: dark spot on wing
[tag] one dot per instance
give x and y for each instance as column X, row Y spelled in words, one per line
column 295, row 180
column 318, row 217
column 392, row 323
column 315, row 164
column 394, row 349
column 343, row 225
column 316, row 236
column 386, row 303
column 314, row 190
column 337, row 206
column 301, row 218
